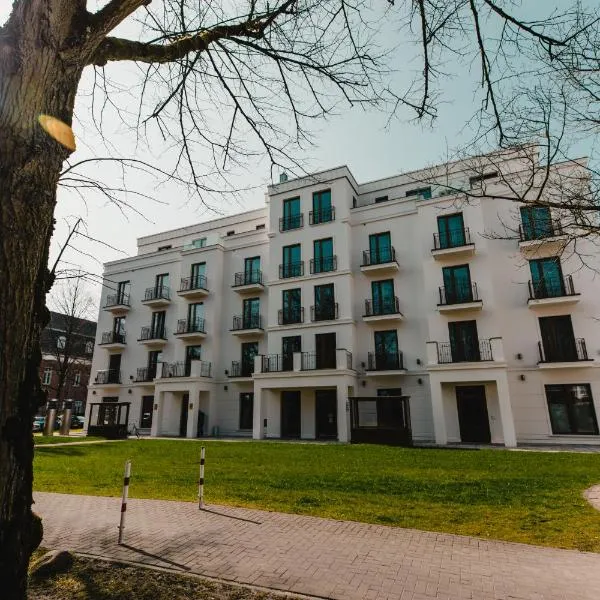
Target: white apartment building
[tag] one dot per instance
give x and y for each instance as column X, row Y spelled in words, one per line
column 268, row 323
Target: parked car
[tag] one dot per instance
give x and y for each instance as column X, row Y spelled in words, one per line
column 77, row 422
column 38, row 424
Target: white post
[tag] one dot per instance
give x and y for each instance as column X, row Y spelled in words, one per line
column 201, row 482
column 124, row 499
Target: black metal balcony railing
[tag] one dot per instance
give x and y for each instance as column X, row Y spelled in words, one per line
column 289, row 316
column 551, row 288
column 294, row 269
column 121, row 299
column 241, row 322
column 379, row 257
column 146, row 373
column 325, row 215
column 153, row 333
column 386, row 306
column 291, row 222
column 310, row 361
column 194, row 326
column 189, row 284
column 475, row 352
column 458, row 295
column 112, row 337
column 274, row 363
column 184, row 369
column 241, row 368
column 161, row 292
column 385, row 361
column 248, row 278
column 452, row 238
column 108, row 376
column 540, row 230
column 574, row 351
column 323, row 265
column 324, row 312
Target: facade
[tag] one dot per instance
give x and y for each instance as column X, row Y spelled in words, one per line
column 67, row 345
column 273, row 322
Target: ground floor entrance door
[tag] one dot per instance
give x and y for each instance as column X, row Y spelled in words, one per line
column 290, row 414
column 472, row 414
column 147, row 411
column 184, row 415
column 326, row 414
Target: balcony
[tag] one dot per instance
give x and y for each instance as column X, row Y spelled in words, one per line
column 145, row 374
column 380, row 261
column 118, row 304
column 290, row 316
column 324, row 312
column 298, row 362
column 248, row 282
column 545, row 236
column 459, row 298
column 452, row 244
column 385, row 363
column 290, row 223
column 241, row 370
column 193, row 287
column 294, row 269
column 194, row 368
column 311, row 361
column 325, row 215
column 108, row 377
column 323, row 265
column 247, row 325
column 566, row 354
column 382, row 310
column 276, row 363
column 191, row 330
column 155, row 297
column 112, row 340
column 153, row 336
column 552, row 293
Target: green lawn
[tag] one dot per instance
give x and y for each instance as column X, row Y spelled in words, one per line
column 42, row 440
column 519, row 496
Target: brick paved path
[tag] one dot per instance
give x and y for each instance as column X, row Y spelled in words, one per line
column 325, row 558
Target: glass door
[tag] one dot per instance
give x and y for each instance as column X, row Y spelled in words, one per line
column 158, row 325
column 382, row 294
column 322, row 212
column 289, row 346
column 386, row 350
column 191, row 353
column 198, row 276
column 451, row 230
column 249, row 351
column 252, row 270
column 546, row 278
column 558, row 339
column 323, row 251
column 380, row 248
column 457, row 284
column 196, row 317
column 464, row 341
column 251, row 313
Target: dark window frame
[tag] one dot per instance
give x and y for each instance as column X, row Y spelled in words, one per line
column 570, row 412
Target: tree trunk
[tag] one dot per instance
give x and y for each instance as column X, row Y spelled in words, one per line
column 35, row 78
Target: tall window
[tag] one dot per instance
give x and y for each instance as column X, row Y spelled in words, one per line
column 546, row 277
column 292, row 218
column 191, row 353
column 536, row 222
column 289, row 345
column 424, row 192
column 77, row 379
column 249, row 351
column 252, row 270
column 291, row 306
column 383, row 298
column 324, row 309
column 386, row 349
column 157, row 326
column 154, row 357
column 89, row 347
column 558, row 339
column 119, row 329
column 251, row 313
column 196, row 317
column 198, row 243
column 451, row 231
column 322, row 211
column 198, row 276
column 571, row 409
column 324, row 260
column 292, row 262
column 380, row 248
column 47, row 376
column 122, row 294
column 246, row 410
column 464, row 341
column 457, row 285
column 61, row 342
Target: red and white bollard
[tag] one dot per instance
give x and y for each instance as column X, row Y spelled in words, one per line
column 201, row 482
column 124, row 499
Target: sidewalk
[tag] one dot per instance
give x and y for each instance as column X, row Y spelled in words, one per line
column 324, row 558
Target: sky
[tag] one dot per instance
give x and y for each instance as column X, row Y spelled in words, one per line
column 365, row 140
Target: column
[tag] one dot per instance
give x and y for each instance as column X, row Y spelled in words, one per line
column 439, row 415
column 157, row 413
column 342, row 414
column 258, row 430
column 506, row 416
column 193, row 407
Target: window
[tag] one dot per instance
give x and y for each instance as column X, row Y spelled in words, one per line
column 424, row 192
column 198, row 243
column 198, row 276
column 119, row 330
column 546, row 278
column 457, row 285
column 381, row 199
column 291, row 302
column 386, row 392
column 325, row 345
column 249, row 351
column 451, row 231
column 383, row 298
column 292, row 218
column 196, row 317
column 251, row 313
column 154, row 357
column 157, row 327
column 61, row 342
column 161, row 285
column 464, row 341
column 322, row 211
column 77, row 379
column 380, row 248
column 477, row 180
column 252, row 272
column 289, row 345
column 232, row 232
column 571, row 409
column 161, row 248
column 246, row 410
column 387, row 355
column 292, row 264
column 536, row 223
column 261, row 226
column 47, row 376
column 89, row 347
column 122, row 295
column 323, row 261
column 558, row 340
column 325, row 308
column 191, row 353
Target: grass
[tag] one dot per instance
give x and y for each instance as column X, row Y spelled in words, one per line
column 526, row 497
column 43, row 440
column 99, row 580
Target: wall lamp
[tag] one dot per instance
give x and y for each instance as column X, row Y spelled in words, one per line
column 522, row 377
